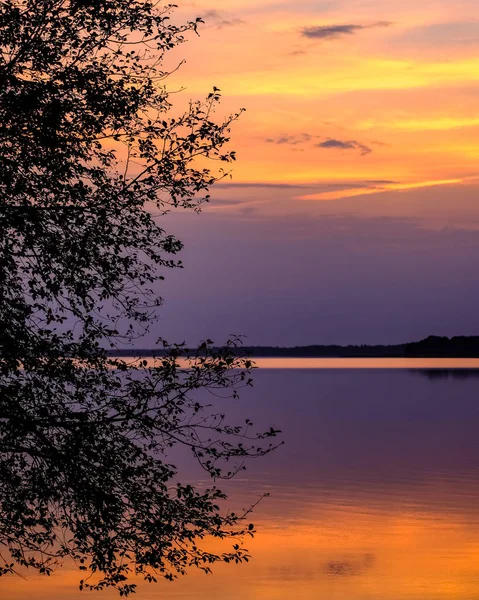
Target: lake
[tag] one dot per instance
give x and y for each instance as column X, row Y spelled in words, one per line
column 375, row 494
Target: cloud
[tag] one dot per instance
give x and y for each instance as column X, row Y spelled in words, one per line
column 266, row 185
column 345, row 145
column 221, row 18
column 374, row 182
column 443, row 34
column 322, row 186
column 292, row 140
column 296, row 53
column 243, row 206
column 224, row 202
column 331, row 32
column 303, row 138
column 377, row 188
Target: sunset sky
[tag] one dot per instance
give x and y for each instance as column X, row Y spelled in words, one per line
column 352, row 215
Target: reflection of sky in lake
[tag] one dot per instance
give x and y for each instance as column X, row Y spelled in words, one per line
column 374, row 494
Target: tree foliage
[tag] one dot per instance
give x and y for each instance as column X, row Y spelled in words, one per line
column 89, row 150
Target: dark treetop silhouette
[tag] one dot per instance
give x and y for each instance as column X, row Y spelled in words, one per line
column 430, row 347
column 87, row 144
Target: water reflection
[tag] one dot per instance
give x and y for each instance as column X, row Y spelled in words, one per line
column 283, row 363
column 348, row 566
column 374, row 496
column 368, row 363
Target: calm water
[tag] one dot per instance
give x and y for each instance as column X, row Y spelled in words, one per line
column 375, row 494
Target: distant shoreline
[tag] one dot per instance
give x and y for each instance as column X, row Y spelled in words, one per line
column 431, row 347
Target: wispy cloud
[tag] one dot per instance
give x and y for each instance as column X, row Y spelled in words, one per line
column 377, row 188
column 304, row 138
column 290, row 140
column 299, row 52
column 272, row 185
column 317, row 187
column 345, row 145
column 325, row 32
column 226, row 202
column 221, row 18
column 452, row 33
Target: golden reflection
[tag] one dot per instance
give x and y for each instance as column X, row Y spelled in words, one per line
column 324, row 553
column 339, row 363
column 367, row 363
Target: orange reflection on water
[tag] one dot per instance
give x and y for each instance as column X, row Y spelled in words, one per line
column 342, row 363
column 367, row 363
column 373, row 497
column 326, row 553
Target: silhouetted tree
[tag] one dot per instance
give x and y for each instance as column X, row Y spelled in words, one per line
column 89, row 149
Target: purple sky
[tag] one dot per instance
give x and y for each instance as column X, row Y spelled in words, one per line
column 352, row 216
column 346, row 272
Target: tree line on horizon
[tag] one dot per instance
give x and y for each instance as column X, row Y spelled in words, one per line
column 430, row 347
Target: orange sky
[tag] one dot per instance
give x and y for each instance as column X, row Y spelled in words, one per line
column 389, row 89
